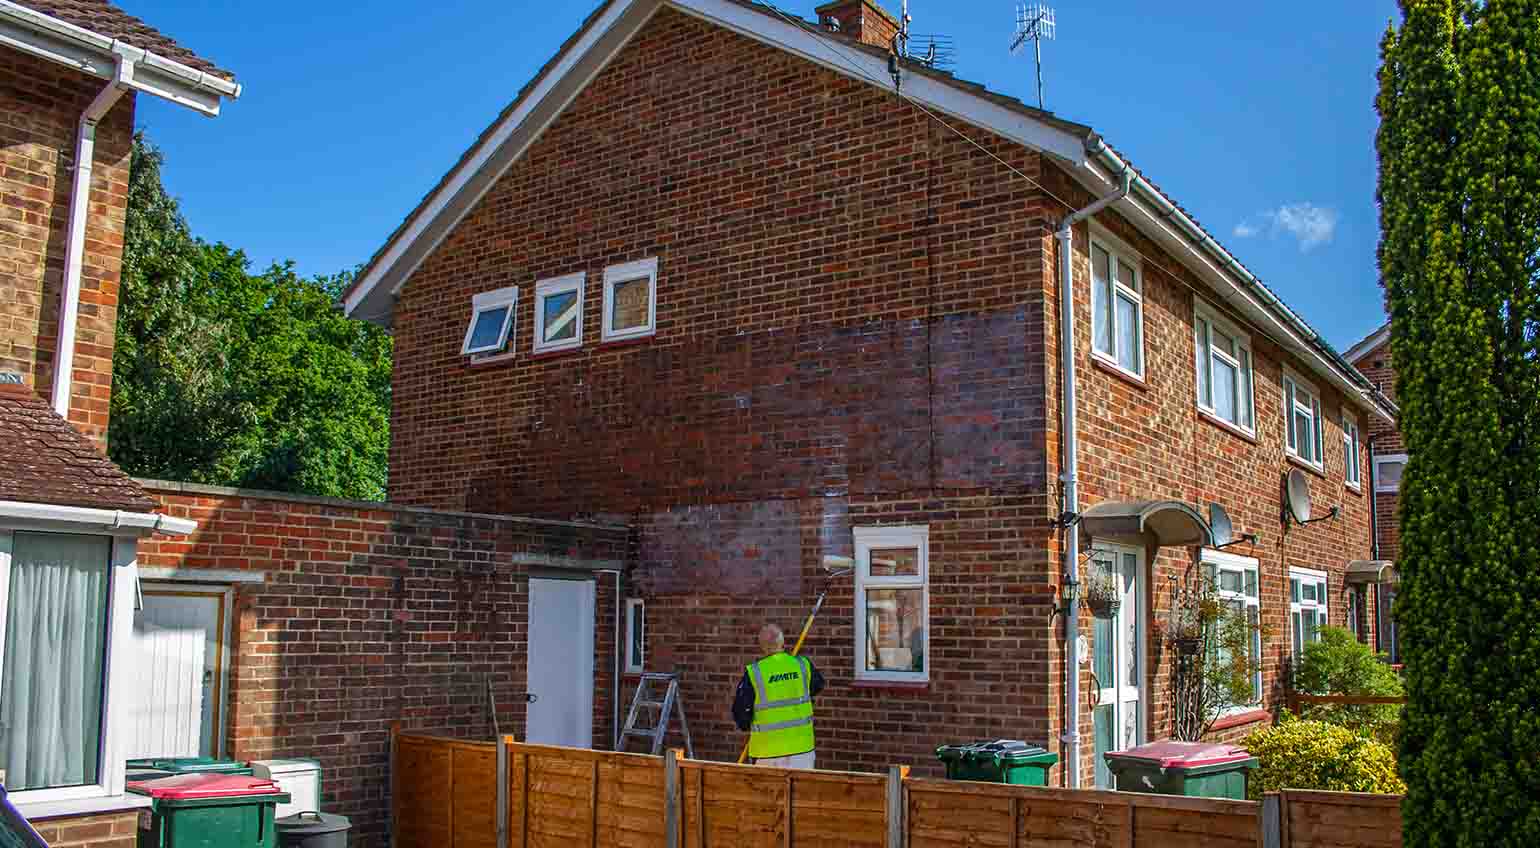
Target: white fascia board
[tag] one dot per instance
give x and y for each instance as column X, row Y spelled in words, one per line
column 132, row 523
column 49, row 38
column 403, row 256
column 1159, row 229
column 1374, row 340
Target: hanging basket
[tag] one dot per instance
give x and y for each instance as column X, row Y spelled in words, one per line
column 1187, row 646
column 1100, row 595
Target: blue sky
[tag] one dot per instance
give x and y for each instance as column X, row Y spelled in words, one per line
column 1260, row 123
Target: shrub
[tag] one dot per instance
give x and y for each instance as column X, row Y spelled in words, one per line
column 1300, row 754
column 1339, row 664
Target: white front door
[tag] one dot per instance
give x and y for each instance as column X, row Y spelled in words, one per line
column 178, row 644
column 1118, row 657
column 561, row 663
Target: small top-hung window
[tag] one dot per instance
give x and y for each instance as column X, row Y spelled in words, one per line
column 491, row 325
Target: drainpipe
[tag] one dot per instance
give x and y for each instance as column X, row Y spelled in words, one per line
column 80, row 211
column 1071, row 474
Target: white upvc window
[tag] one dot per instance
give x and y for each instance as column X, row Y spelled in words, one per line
column 636, row 635
column 1353, row 475
column 66, row 609
column 892, row 614
column 1236, row 581
column 630, row 300
column 559, row 313
column 492, row 323
column 1387, row 472
column 1224, row 364
column 1117, row 307
column 1307, row 606
column 1304, row 439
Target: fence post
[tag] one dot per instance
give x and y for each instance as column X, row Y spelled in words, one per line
column 895, row 809
column 670, row 799
column 1272, row 820
column 502, row 793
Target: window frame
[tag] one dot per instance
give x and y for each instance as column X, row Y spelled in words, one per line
column 623, row 273
column 1352, row 458
column 486, row 302
column 1382, row 459
column 1216, row 561
column 1292, row 387
column 1246, row 392
column 636, row 607
column 1117, row 253
column 1320, row 606
column 548, row 288
column 915, row 536
column 118, row 673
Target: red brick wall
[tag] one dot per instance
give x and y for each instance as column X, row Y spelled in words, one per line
column 40, row 106
column 371, row 614
column 1377, row 365
column 1146, row 440
column 103, row 830
column 862, row 20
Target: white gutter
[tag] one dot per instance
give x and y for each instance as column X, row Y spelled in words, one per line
column 75, row 239
column 143, row 523
column 1071, row 475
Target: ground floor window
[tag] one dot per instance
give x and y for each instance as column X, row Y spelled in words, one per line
column 1236, row 582
column 1307, row 606
column 55, row 592
column 892, row 603
column 636, row 631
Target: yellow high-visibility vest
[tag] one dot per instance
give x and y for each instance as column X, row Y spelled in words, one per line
column 783, row 706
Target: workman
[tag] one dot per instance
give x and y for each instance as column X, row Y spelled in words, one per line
column 775, row 704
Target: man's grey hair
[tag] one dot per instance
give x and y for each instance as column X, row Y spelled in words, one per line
column 771, row 639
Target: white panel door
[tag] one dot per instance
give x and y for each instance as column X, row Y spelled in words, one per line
column 177, row 642
column 561, row 663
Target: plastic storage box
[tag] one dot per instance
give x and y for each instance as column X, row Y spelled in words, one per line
column 1197, row 769
column 999, row 761
column 209, row 811
column 300, row 778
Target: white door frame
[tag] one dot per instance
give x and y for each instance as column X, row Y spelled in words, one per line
column 1133, row 604
column 226, row 594
column 586, row 669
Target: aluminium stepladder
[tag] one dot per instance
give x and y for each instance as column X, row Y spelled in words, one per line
column 670, row 702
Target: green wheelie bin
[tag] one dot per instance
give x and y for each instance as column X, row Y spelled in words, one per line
column 999, row 761
column 209, row 811
column 1195, row 769
column 191, row 765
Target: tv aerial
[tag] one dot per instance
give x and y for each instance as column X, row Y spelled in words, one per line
column 1296, row 500
column 1035, row 23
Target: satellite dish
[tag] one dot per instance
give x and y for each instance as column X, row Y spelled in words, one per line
column 1219, row 524
column 1297, row 493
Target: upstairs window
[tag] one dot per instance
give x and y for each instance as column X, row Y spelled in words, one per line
column 1224, row 370
column 491, row 325
column 1350, row 452
column 1307, row 607
column 1302, row 422
column 1117, row 308
column 892, row 603
column 559, row 313
column 630, row 300
column 1387, row 472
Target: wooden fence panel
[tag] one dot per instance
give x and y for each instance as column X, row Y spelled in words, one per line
column 444, row 792
column 726, row 806
column 1341, row 820
column 473, row 767
column 573, row 798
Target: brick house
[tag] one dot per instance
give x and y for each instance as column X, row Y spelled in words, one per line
column 709, row 275
column 70, row 521
column 1387, row 459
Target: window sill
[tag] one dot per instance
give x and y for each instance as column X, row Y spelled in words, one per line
column 1355, row 489
column 489, row 361
column 1236, row 720
column 917, row 686
column 1313, row 469
column 1226, row 426
column 539, row 355
column 612, row 344
column 40, row 810
column 1119, row 371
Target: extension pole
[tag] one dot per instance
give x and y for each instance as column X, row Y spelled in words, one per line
column 806, row 626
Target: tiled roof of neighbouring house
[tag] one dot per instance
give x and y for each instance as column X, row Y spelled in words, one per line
column 45, row 460
column 104, row 18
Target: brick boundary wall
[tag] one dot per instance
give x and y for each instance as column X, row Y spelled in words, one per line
column 371, row 613
column 99, row 830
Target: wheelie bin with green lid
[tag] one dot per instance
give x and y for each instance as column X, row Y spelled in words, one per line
column 1195, row 769
column 999, row 761
column 209, row 811
column 191, row 765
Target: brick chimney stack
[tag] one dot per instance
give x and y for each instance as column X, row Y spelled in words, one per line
column 862, row 20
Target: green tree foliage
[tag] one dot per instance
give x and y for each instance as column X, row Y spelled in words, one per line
column 233, row 378
column 1459, row 192
column 1339, row 664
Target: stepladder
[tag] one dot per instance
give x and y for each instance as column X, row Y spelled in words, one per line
column 650, row 713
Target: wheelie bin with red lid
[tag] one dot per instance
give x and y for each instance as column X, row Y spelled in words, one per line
column 209, row 811
column 1196, row 769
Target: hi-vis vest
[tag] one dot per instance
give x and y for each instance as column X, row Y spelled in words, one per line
column 783, row 707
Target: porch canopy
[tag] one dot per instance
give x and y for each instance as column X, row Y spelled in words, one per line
column 1372, row 571
column 1161, row 522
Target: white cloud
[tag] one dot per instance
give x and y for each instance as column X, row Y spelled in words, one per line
column 1312, row 225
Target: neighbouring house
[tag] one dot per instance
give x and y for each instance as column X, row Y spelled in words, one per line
column 710, row 274
column 1387, row 459
column 70, row 521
